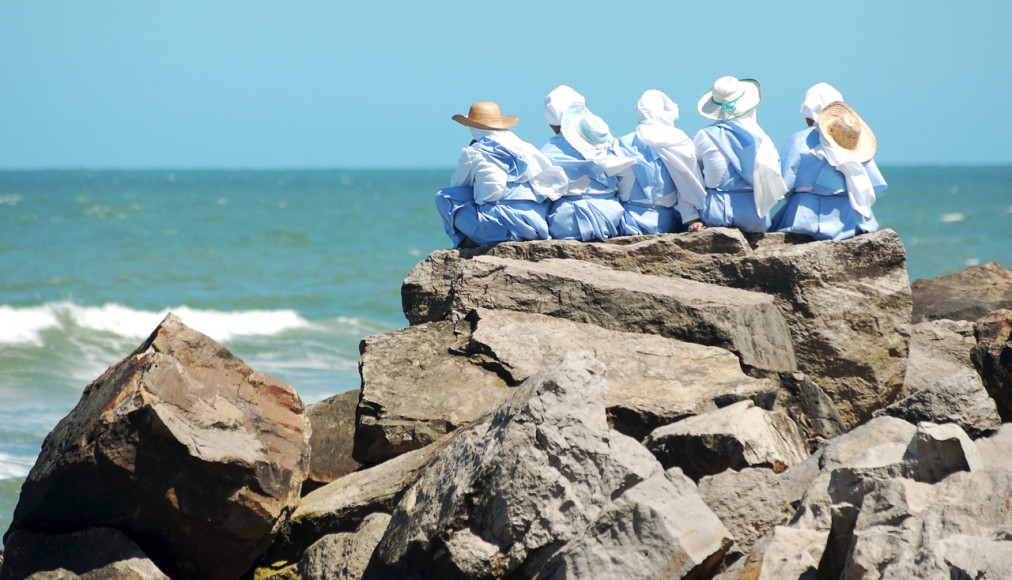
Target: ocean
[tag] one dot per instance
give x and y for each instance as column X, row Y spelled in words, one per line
column 291, row 269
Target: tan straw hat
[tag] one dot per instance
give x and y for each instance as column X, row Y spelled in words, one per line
column 843, row 127
column 729, row 98
column 486, row 115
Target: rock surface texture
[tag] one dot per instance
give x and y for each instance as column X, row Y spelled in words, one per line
column 182, row 447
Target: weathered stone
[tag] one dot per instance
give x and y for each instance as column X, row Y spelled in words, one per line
column 958, row 398
column 344, row 556
column 460, row 372
column 996, row 450
column 784, row 554
column 735, row 437
column 189, row 452
column 966, row 295
column 91, row 554
column 341, row 506
column 659, row 528
column 993, row 358
column 808, row 405
column 938, row 349
column 333, row 426
column 941, row 450
column 416, row 388
column 746, row 323
column 847, row 303
column 513, row 489
column 749, row 503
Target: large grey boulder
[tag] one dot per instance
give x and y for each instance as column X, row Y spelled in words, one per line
column 958, row 398
column 966, row 295
column 513, row 490
column 193, row 455
column 746, row 323
column 344, row 556
column 423, row 381
column 734, row 437
column 938, row 349
column 749, row 502
column 847, row 304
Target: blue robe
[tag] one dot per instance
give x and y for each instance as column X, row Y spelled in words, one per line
column 593, row 214
column 732, row 202
column 649, row 208
column 519, row 213
column 821, row 208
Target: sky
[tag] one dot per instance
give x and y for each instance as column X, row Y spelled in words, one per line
column 249, row 84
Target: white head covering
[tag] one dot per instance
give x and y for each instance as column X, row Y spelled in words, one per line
column 816, row 99
column 657, row 114
column 558, row 101
column 768, row 185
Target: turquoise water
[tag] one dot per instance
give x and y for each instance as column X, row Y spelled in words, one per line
column 290, row 269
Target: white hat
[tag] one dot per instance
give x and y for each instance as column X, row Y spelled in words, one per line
column 730, row 98
column 843, row 127
column 585, row 131
column 818, row 97
column 558, row 101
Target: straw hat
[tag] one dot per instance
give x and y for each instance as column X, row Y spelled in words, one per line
column 486, row 115
column 843, row 127
column 730, row 98
column 585, row 131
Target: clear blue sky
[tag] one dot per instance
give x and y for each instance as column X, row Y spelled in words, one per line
column 255, row 84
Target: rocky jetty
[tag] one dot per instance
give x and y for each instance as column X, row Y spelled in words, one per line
column 700, row 406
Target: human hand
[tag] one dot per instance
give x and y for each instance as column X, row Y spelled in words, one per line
column 696, row 225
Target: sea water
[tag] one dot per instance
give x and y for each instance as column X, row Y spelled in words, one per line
column 291, row 269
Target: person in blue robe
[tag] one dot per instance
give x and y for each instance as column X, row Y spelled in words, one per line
column 664, row 155
column 740, row 164
column 585, row 149
column 819, row 200
column 502, row 186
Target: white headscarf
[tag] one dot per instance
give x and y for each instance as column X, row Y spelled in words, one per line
column 768, row 185
column 657, row 114
column 816, row 99
column 558, row 101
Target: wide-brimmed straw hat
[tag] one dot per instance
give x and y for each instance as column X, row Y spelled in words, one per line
column 843, row 127
column 486, row 115
column 729, row 98
column 585, row 131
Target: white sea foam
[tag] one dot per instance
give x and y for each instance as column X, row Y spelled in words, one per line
column 11, row 466
column 953, row 217
column 25, row 325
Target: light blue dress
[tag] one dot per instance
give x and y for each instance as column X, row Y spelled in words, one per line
column 817, row 203
column 592, row 210
column 649, row 208
column 732, row 202
column 519, row 213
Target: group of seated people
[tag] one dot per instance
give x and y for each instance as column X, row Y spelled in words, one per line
column 585, row 184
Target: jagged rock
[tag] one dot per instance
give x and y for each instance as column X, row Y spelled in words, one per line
column 808, row 405
column 960, row 527
column 193, row 455
column 91, row 554
column 746, row 323
column 738, row 436
column 749, row 503
column 333, row 426
column 659, row 528
column 443, row 375
column 514, row 489
column 847, row 303
column 786, row 553
column 344, row 556
column 993, row 358
column 416, row 388
column 966, row 295
column 938, row 349
column 341, row 506
column 959, row 398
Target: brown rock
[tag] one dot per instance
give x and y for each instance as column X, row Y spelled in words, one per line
column 181, row 446
column 333, row 422
column 993, row 358
column 966, row 295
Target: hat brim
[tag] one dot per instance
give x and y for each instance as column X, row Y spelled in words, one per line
column 504, row 122
column 570, row 130
column 867, row 144
column 748, row 101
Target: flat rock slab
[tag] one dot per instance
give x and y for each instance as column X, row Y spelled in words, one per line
column 965, row 295
column 746, row 323
column 425, row 380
